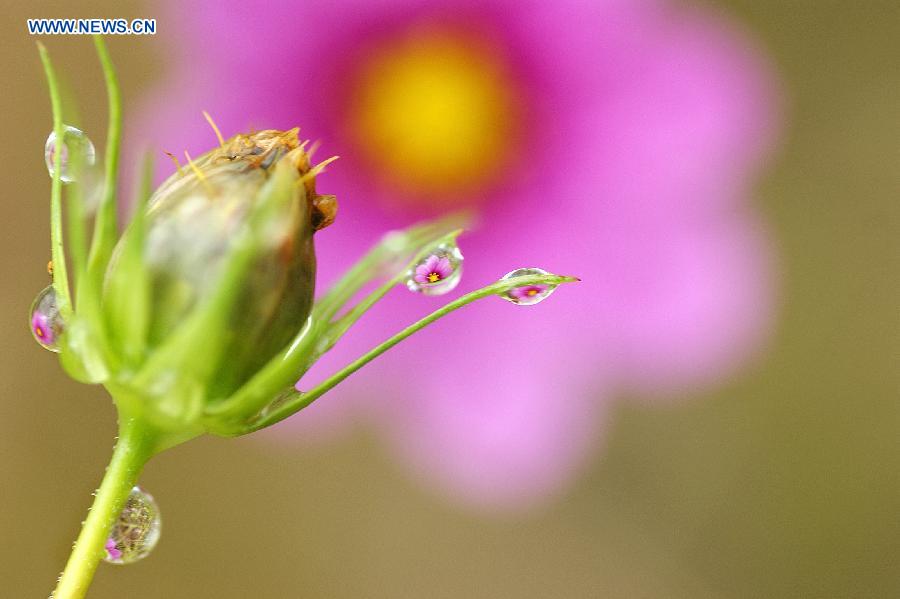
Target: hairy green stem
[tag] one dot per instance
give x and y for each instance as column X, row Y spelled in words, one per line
column 135, row 446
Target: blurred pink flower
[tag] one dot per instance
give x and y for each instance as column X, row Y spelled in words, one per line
column 615, row 140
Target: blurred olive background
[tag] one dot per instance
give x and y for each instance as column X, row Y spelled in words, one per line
column 785, row 482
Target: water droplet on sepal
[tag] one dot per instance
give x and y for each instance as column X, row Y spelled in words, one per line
column 46, row 323
column 136, row 530
column 439, row 272
column 527, row 295
column 74, row 139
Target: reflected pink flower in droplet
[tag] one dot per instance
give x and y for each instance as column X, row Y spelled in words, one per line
column 616, row 140
column 527, row 292
column 112, row 551
column 42, row 327
column 433, row 270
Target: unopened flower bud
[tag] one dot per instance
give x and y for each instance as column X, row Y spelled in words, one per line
column 193, row 221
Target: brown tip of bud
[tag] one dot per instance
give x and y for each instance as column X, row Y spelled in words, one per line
column 324, row 211
column 262, row 149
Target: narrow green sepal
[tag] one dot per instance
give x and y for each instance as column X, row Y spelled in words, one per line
column 289, row 401
column 127, row 289
column 105, row 229
column 57, row 250
column 384, row 260
column 339, row 328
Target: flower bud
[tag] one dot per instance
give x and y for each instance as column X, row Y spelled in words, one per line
column 192, row 225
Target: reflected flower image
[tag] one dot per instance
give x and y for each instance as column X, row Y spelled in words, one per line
column 434, row 270
column 528, row 292
column 112, row 552
column 42, row 329
column 619, row 139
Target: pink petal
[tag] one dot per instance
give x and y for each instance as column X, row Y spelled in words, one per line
column 443, row 268
column 502, row 429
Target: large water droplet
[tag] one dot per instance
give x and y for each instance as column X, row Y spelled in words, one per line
column 136, row 531
column 527, row 295
column 46, row 323
column 439, row 272
column 74, row 140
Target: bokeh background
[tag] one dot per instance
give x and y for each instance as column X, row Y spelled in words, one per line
column 782, row 480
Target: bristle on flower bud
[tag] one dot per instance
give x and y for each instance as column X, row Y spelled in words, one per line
column 260, row 150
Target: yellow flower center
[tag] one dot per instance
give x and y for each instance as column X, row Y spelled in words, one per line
column 435, row 112
column 433, row 277
column 531, row 292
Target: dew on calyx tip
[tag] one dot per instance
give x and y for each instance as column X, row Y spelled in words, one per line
column 439, row 272
column 46, row 323
column 529, row 294
column 73, row 140
column 136, row 531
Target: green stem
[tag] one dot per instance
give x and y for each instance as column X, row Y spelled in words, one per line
column 135, row 446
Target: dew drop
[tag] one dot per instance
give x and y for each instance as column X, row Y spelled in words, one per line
column 527, row 295
column 136, row 531
column 76, row 140
column 439, row 272
column 46, row 322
